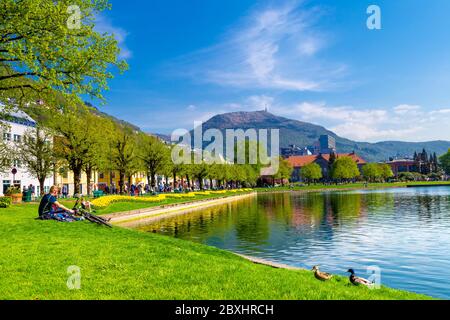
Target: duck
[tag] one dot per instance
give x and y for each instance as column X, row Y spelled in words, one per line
column 323, row 276
column 355, row 280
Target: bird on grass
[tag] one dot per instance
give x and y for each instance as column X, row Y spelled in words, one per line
column 323, row 276
column 355, row 280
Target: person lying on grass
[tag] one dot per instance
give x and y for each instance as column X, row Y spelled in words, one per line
column 51, row 209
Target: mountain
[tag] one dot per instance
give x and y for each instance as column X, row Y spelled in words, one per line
column 96, row 111
column 305, row 134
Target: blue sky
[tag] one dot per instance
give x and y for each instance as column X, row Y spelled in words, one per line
column 314, row 61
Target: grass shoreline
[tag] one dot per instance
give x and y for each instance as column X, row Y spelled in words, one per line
column 125, row 264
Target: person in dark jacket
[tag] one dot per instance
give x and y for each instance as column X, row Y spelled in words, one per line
column 50, row 208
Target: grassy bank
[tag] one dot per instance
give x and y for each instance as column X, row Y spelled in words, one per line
column 127, row 264
column 347, row 186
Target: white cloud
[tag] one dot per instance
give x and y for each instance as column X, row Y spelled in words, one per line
column 104, row 25
column 406, row 109
column 259, row 102
column 271, row 48
column 191, row 107
column 403, row 122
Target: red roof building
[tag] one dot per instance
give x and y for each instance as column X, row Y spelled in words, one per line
column 297, row 162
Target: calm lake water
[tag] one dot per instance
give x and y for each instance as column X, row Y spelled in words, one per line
column 405, row 232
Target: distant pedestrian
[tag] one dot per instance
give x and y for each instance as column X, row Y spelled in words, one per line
column 65, row 191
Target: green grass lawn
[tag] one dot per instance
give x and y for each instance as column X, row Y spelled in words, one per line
column 126, row 264
column 358, row 185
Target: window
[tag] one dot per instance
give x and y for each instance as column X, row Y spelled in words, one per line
column 17, row 138
column 101, row 175
column 6, row 185
column 17, row 163
column 6, row 136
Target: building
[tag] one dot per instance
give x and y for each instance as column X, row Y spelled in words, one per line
column 327, row 144
column 14, row 126
column 293, row 150
column 323, row 160
column 111, row 178
column 63, row 177
column 420, row 163
column 403, row 165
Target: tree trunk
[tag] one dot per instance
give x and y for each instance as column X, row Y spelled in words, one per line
column 76, row 179
column 174, row 179
column 121, row 181
column 152, row 179
column 149, row 182
column 88, row 180
column 188, row 181
column 41, row 186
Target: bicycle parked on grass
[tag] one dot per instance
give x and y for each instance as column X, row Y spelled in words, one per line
column 82, row 210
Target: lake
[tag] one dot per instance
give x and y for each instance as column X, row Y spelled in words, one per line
column 403, row 231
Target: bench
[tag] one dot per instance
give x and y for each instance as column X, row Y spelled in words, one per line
column 98, row 193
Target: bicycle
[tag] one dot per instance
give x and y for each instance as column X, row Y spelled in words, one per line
column 79, row 211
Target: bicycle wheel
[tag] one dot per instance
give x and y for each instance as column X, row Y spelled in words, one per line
column 100, row 220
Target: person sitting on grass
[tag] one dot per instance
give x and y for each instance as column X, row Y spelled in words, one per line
column 51, row 209
column 86, row 205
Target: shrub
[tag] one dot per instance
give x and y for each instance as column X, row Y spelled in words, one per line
column 5, row 202
column 12, row 190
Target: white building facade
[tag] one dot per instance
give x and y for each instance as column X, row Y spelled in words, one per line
column 13, row 131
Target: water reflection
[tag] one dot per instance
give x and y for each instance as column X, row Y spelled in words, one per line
column 403, row 231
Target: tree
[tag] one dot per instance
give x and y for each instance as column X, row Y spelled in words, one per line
column 344, row 168
column 444, row 161
column 154, row 154
column 37, row 154
column 123, row 152
column 96, row 156
column 75, row 131
column 284, row 171
column 311, row 172
column 386, row 171
column 48, row 45
column 200, row 172
column 372, row 172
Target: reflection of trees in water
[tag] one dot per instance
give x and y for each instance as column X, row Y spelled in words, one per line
column 431, row 207
column 277, row 207
column 344, row 207
column 252, row 225
column 241, row 216
column 329, row 208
